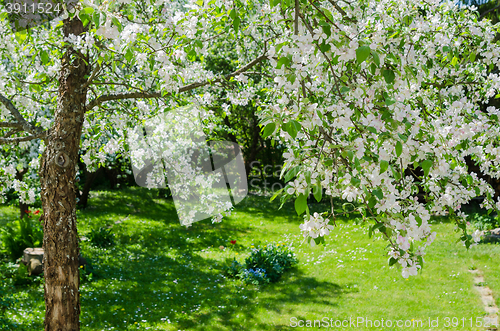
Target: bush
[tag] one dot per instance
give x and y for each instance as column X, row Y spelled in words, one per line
column 101, row 237
column 483, row 221
column 254, row 276
column 22, row 234
column 264, row 265
column 234, row 269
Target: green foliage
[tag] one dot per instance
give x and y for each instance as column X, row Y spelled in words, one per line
column 484, row 221
column 234, row 269
column 6, row 299
column 86, row 274
column 20, row 235
column 101, row 237
column 255, row 276
column 264, row 265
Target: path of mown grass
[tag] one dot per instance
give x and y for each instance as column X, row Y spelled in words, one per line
column 162, row 276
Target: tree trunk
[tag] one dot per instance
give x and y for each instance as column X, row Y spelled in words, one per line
column 57, row 177
column 89, row 179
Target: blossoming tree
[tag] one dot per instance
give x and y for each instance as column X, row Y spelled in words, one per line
column 362, row 91
column 367, row 91
column 101, row 66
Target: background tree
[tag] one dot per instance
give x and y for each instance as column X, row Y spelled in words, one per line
column 375, row 88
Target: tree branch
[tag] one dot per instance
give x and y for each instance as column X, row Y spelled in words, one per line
column 4, row 141
column 488, row 11
column 92, row 76
column 148, row 95
column 296, row 20
column 341, row 11
column 20, row 119
column 10, row 125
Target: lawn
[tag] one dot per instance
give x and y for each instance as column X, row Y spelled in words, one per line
column 162, row 276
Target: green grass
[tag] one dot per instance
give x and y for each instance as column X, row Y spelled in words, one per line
column 162, row 276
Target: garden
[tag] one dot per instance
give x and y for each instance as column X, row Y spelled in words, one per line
column 249, row 165
column 149, row 272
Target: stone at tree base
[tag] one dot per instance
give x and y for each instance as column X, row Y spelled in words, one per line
column 33, row 260
column 35, row 267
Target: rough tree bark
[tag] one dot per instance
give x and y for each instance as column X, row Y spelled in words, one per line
column 57, row 176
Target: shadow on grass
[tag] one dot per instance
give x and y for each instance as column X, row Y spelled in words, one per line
column 159, row 271
column 191, row 294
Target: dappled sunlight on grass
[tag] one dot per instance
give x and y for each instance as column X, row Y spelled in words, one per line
column 163, row 276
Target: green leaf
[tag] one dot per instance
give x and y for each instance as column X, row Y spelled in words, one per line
column 390, row 101
column 276, row 194
column 469, row 179
column 96, row 18
column 420, row 261
column 392, row 261
column 292, row 173
column 372, row 202
column 318, row 192
column 362, row 53
column 376, row 58
column 199, row 3
column 454, row 61
column 282, row 61
column 117, row 23
column 45, row 57
column 232, row 13
column 372, row 129
column 355, row 181
column 87, row 11
column 326, row 29
column 426, row 165
column 21, row 36
column 268, row 130
column 378, row 193
column 384, row 165
column 301, row 204
column 129, row 55
column 325, row 47
column 472, row 56
column 274, row 3
column 399, row 148
column 236, row 23
column 292, row 127
column 319, row 240
column 403, row 137
column 388, row 76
